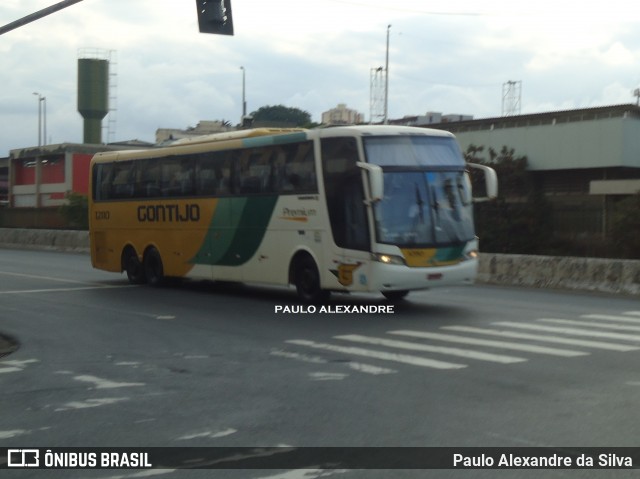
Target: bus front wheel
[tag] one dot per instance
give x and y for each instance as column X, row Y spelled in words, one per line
column 395, row 295
column 307, row 281
column 153, row 268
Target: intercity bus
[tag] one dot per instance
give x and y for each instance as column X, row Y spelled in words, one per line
column 351, row 209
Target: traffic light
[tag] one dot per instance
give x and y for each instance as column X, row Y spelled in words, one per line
column 214, row 16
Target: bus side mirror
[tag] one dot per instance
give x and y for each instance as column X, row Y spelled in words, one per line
column 491, row 182
column 376, row 181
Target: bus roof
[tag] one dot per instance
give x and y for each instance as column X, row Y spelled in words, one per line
column 380, row 130
column 235, row 135
column 203, row 143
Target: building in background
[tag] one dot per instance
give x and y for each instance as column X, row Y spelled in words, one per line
column 583, row 161
column 167, row 135
column 4, row 181
column 430, row 118
column 43, row 176
column 341, row 115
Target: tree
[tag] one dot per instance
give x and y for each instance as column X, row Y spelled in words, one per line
column 76, row 211
column 625, row 228
column 280, row 115
column 518, row 221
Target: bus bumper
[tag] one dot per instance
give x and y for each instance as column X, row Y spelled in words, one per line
column 392, row 277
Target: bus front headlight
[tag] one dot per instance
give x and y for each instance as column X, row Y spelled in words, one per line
column 388, row 259
column 472, row 254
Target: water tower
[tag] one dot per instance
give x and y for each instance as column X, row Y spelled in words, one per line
column 93, row 92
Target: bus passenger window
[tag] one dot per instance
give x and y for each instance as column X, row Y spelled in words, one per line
column 103, row 181
column 298, row 175
column 177, row 177
column 122, row 186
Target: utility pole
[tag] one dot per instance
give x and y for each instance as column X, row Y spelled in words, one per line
column 37, row 15
column 244, row 96
column 386, row 82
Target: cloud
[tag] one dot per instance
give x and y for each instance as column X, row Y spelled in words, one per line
column 312, row 55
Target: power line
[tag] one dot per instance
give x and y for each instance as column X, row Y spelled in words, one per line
column 37, row 15
column 409, row 10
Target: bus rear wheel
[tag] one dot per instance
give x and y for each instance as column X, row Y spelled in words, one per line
column 133, row 267
column 307, row 281
column 153, row 269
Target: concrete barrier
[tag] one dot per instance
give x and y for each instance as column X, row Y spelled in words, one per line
column 54, row 240
column 583, row 274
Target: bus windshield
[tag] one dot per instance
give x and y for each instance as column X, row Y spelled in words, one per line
column 427, row 194
column 414, row 151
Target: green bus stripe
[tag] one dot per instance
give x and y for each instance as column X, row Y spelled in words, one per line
column 274, row 140
column 236, row 230
column 450, row 253
column 250, row 230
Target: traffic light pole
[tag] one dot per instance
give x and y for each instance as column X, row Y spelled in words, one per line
column 37, row 15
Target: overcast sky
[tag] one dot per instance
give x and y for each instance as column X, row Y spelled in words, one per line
column 450, row 57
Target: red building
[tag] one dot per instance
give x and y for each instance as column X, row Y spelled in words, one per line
column 42, row 176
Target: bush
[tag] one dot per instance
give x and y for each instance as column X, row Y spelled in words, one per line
column 76, row 211
column 625, row 228
column 518, row 221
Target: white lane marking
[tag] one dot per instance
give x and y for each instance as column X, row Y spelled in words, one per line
column 47, row 278
column 89, row 403
column 55, row 290
column 306, row 474
column 300, row 357
column 539, row 337
column 616, row 327
column 570, row 331
column 15, row 365
column 10, row 370
column 105, row 383
column 370, row 369
column 208, row 434
column 12, row 434
column 360, row 367
column 19, row 363
column 322, row 376
column 496, row 344
column 391, row 343
column 609, row 317
column 635, row 313
column 400, row 358
column 147, row 473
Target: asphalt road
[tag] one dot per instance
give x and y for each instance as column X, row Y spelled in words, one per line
column 103, row 363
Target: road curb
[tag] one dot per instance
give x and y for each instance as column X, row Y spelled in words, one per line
column 8, row 345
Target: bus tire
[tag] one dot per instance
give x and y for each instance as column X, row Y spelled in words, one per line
column 395, row 295
column 153, row 269
column 133, row 267
column 307, row 280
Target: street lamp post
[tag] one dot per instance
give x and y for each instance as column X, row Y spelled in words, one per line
column 244, row 98
column 386, row 81
column 42, row 108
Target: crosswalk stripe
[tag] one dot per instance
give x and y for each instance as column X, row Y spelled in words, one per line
column 570, row 331
column 608, row 317
column 539, row 337
column 531, row 348
column 616, row 327
column 401, row 358
column 391, row 343
column 363, row 368
column 635, row 313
